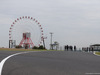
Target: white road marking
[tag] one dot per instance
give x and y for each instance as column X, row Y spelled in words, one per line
column 92, row 73
column 4, row 60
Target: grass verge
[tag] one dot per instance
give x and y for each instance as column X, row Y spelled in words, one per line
column 13, row 49
column 98, row 53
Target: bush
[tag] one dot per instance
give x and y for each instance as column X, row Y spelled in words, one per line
column 41, row 47
column 35, row 47
column 18, row 46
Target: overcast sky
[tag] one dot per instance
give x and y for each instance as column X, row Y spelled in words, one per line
column 73, row 22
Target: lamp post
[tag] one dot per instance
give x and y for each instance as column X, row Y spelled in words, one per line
column 51, row 46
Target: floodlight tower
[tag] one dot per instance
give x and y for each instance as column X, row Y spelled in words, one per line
column 26, row 41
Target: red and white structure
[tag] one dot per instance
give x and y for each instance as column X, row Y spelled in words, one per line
column 25, row 30
column 26, row 40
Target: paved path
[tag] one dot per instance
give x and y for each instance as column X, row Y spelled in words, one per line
column 51, row 63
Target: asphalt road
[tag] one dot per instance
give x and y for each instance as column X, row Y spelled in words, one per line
column 51, row 63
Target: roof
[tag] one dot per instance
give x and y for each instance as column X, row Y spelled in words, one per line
column 96, row 45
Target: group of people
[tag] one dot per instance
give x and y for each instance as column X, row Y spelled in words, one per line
column 71, row 48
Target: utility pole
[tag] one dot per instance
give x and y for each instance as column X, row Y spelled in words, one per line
column 51, row 46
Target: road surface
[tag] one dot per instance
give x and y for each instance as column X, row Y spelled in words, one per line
column 51, row 63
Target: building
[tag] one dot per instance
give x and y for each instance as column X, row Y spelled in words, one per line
column 95, row 47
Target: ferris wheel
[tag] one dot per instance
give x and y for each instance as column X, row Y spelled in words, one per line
column 25, row 30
